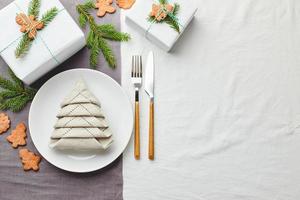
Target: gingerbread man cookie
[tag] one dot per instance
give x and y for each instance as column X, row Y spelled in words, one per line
column 104, row 6
column 4, row 123
column 160, row 12
column 29, row 160
column 29, row 24
column 125, row 4
column 17, row 137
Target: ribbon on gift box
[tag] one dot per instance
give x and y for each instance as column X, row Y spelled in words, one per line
column 165, row 10
column 35, row 37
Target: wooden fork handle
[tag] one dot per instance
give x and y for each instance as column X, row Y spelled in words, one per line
column 137, row 130
column 151, row 131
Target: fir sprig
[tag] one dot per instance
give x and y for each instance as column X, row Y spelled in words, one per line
column 163, row 1
column 170, row 18
column 98, row 33
column 49, row 16
column 34, row 9
column 14, row 95
column 23, row 46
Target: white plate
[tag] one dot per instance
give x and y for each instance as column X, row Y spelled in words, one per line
column 45, row 107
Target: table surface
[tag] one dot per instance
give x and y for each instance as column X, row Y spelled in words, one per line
column 51, row 182
column 227, row 106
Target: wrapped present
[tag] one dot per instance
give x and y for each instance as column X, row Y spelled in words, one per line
column 51, row 45
column 161, row 21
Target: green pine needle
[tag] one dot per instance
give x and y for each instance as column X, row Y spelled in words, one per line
column 163, row 1
column 23, row 46
column 176, row 9
column 18, row 82
column 110, row 32
column 107, row 52
column 34, row 8
column 94, row 56
column 82, row 20
column 83, row 10
column 14, row 95
column 98, row 33
column 49, row 16
column 173, row 23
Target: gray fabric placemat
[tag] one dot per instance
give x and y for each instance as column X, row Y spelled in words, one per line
column 51, row 182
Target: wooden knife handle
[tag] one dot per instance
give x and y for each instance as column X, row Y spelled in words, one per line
column 151, row 132
column 137, row 131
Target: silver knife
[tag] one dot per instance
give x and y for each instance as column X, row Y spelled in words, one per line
column 149, row 88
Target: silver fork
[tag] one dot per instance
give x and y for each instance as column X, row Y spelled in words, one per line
column 136, row 78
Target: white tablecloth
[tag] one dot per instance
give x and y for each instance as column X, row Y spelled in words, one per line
column 227, row 107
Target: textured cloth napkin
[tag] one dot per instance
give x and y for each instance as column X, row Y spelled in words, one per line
column 81, row 129
column 51, row 183
column 227, row 107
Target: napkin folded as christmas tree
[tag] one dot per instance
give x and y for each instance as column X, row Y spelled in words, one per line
column 81, row 124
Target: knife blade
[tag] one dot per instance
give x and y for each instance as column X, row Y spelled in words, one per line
column 149, row 75
column 149, row 88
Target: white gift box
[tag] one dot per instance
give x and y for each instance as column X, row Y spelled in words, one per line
column 160, row 34
column 58, row 41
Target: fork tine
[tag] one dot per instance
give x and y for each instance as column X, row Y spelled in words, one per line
column 136, row 67
column 141, row 67
column 132, row 66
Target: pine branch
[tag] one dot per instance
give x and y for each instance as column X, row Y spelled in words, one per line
column 49, row 16
column 15, row 104
column 14, row 95
column 98, row 33
column 163, row 1
column 84, row 16
column 176, row 9
column 173, row 23
column 107, row 52
column 14, row 78
column 23, row 46
column 34, row 8
column 110, row 32
column 94, row 56
column 8, row 84
column 8, row 94
column 92, row 42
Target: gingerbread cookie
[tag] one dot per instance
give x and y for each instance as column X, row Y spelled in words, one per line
column 29, row 160
column 17, row 137
column 160, row 12
column 104, row 6
column 125, row 4
column 29, row 24
column 4, row 123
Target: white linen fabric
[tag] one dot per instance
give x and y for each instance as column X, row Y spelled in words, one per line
column 227, row 106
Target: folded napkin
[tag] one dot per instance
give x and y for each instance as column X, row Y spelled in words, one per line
column 81, row 124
